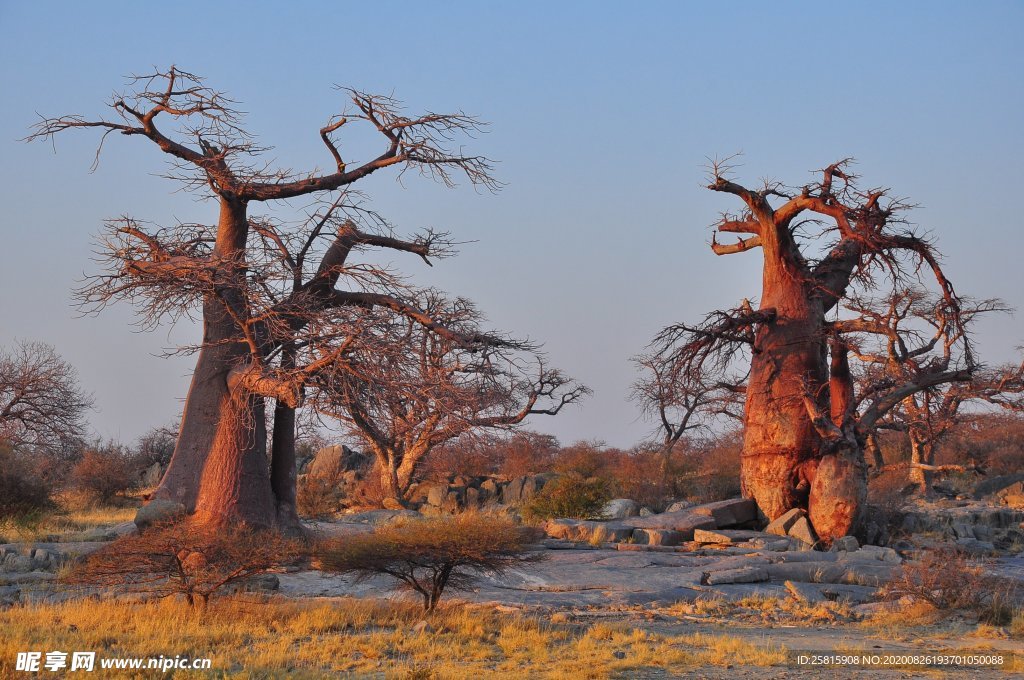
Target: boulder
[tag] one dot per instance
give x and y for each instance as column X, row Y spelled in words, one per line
column 728, row 513
column 973, row 546
column 803, row 531
column 873, row 553
column 331, row 461
column 437, row 494
column 158, row 510
column 995, row 485
column 684, row 522
column 261, row 583
column 676, row 506
column 151, row 476
column 781, row 525
column 663, row 537
column 587, row 530
column 392, row 504
column 844, row 544
column 620, row 508
column 490, row 487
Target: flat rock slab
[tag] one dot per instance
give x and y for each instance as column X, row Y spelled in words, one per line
column 731, row 536
column 683, row 523
column 754, row 574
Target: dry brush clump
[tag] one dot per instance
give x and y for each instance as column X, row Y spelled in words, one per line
column 431, row 555
column 103, row 473
column 184, row 559
column 948, row 581
column 23, row 493
column 570, row 495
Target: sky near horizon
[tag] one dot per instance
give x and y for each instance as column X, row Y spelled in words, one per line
column 602, row 116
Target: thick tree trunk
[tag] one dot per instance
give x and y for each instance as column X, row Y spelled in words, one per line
column 219, row 469
column 786, row 463
column 780, row 445
column 283, row 475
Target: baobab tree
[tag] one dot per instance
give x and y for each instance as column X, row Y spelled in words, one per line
column 821, row 245
column 42, row 405
column 254, row 327
column 404, row 390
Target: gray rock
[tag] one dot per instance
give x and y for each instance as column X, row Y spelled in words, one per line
column 755, row 574
column 331, row 461
column 805, row 592
column 676, row 506
column 844, row 544
column 262, row 583
column 19, row 564
column 996, row 484
column 872, row 608
column 973, row 546
column 646, row 512
column 781, row 525
column 151, row 475
column 158, row 510
column 664, row 537
column 683, row 521
column 620, row 508
column 728, row 513
column 437, row 494
column 379, row 517
column 874, row 553
column 961, row 530
column 729, row 535
column 807, row 572
column 802, row 530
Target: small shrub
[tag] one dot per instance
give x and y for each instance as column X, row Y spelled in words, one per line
column 317, row 497
column 184, row 559
column 948, row 581
column 430, row 555
column 24, row 495
column 570, row 495
column 103, row 473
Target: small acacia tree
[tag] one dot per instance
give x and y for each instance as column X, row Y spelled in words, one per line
column 432, row 554
column 822, row 245
column 184, row 559
column 264, row 305
column 404, row 390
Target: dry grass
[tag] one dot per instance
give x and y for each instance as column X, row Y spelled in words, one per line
column 308, row 638
column 72, row 518
column 765, row 610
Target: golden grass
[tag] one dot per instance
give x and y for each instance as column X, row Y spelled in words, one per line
column 763, row 609
column 314, row 638
column 72, row 518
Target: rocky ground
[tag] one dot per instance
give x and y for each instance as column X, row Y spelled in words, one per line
column 658, row 571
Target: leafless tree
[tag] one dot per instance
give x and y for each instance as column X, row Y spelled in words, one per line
column 404, row 390
column 823, row 245
column 683, row 403
column 902, row 339
column 270, row 294
column 42, row 405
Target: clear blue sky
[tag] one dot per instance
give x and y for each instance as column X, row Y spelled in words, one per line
column 601, row 116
